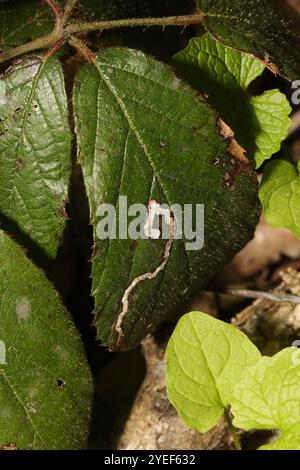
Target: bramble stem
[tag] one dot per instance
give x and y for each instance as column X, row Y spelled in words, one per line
column 69, row 8
column 232, row 430
column 184, row 20
column 41, row 43
column 65, row 31
column 55, row 8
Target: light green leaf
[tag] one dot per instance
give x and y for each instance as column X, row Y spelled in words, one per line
column 289, row 440
column 45, row 385
column 265, row 28
column 206, row 60
column 271, row 110
column 280, row 195
column 144, row 134
column 205, row 359
column 35, row 150
column 268, row 397
column 260, row 123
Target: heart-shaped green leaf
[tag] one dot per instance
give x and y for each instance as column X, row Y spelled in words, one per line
column 144, row 134
column 35, row 150
column 45, row 383
column 205, row 359
column 268, row 397
column 280, row 195
column 260, row 123
column 264, row 28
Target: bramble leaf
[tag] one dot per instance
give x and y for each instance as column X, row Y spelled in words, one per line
column 45, row 384
column 268, row 397
column 271, row 110
column 35, row 150
column 206, row 60
column 280, row 195
column 260, row 123
column 144, row 134
column 265, row 28
column 205, row 359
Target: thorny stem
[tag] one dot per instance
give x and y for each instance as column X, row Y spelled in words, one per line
column 82, row 49
column 63, row 32
column 252, row 294
column 232, row 430
column 184, row 20
column 69, row 8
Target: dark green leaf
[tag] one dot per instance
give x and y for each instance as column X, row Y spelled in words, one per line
column 35, row 150
column 45, row 385
column 264, row 28
column 144, row 134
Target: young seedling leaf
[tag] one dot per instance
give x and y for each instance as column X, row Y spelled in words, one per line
column 260, row 123
column 263, row 28
column 35, row 150
column 144, row 134
column 271, row 112
column 268, row 397
column 205, row 360
column 280, row 195
column 45, row 383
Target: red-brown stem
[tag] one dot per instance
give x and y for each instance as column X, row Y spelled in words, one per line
column 82, row 49
column 55, row 8
column 53, row 49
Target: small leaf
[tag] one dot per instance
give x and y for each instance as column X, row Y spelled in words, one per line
column 265, row 28
column 280, row 195
column 45, row 385
column 35, row 150
column 268, row 397
column 260, row 123
column 271, row 110
column 144, row 134
column 205, row 359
